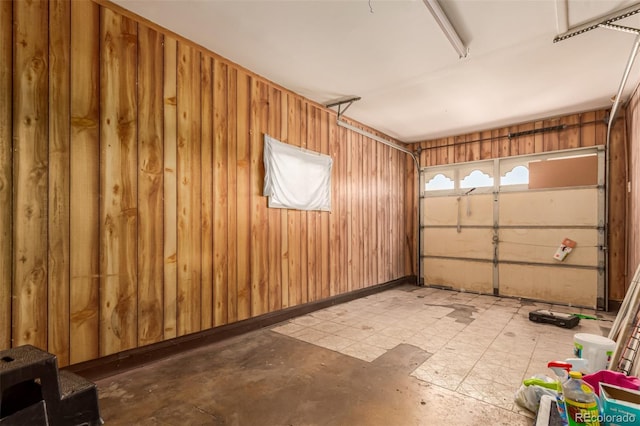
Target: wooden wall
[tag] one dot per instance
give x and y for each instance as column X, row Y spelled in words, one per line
column 633, row 197
column 580, row 130
column 130, row 184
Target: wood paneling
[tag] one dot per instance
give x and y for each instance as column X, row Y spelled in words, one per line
column 150, row 184
column 284, row 215
column 617, row 198
column 118, row 183
column 131, row 168
column 207, row 170
column 159, row 183
column 232, row 209
column 326, row 136
column 85, row 188
column 274, row 216
column 243, row 195
column 59, row 195
column 6, row 178
column 189, row 190
column 632, row 226
column 223, row 171
column 301, row 140
column 170, row 190
column 30, row 173
column 259, row 220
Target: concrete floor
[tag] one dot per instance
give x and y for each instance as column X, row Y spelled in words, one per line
column 407, row 356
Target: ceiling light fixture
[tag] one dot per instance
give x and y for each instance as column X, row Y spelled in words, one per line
column 446, row 27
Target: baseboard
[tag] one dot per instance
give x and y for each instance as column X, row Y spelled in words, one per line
column 122, row 361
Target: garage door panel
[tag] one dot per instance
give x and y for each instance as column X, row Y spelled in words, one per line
column 469, row 243
column 444, row 210
column 575, row 207
column 459, row 274
column 539, row 245
column 553, row 284
column 508, row 237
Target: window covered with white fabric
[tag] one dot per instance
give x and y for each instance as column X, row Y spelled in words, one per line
column 296, row 178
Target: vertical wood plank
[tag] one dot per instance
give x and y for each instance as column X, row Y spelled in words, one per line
column 550, row 139
column 232, row 189
column 302, row 106
column 569, row 138
column 486, row 145
column 410, row 213
column 284, row 215
column 617, row 211
column 460, row 149
column 500, row 142
column 526, row 143
column 514, row 144
column 473, row 147
column 394, row 176
column 59, row 196
column 441, row 151
column 354, row 236
column 336, row 205
column 538, row 139
column 351, row 236
column 325, row 277
column 189, row 190
column 385, row 241
column 150, row 186
column 311, row 241
column 390, row 172
column 6, row 178
column 365, row 210
column 372, row 208
column 318, row 215
column 170, row 193
column 243, row 171
column 505, row 142
column 293, row 217
column 588, row 129
column 118, row 184
column 360, row 237
column 380, row 207
column 425, row 155
column 633, row 232
column 403, row 211
column 274, row 215
column 207, row 169
column 601, row 127
column 259, row 222
column 84, row 177
column 222, row 166
column 30, row 134
column 345, row 203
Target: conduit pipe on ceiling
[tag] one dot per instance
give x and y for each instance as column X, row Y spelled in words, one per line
column 377, row 138
column 612, row 118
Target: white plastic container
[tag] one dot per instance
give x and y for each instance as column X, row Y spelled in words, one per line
column 596, row 350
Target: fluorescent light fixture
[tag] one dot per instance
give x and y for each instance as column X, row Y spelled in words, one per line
column 446, row 27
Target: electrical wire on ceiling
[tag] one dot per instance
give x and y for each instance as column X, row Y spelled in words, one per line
column 370, row 7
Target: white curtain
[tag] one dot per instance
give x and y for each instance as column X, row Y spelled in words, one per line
column 296, row 178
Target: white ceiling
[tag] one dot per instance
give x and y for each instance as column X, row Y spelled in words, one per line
column 412, row 83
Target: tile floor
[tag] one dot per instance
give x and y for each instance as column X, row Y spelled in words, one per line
column 482, row 346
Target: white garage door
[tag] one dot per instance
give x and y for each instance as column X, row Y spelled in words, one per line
column 494, row 227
